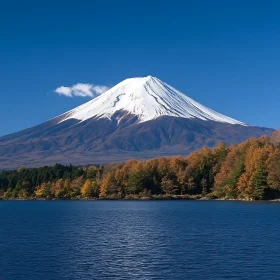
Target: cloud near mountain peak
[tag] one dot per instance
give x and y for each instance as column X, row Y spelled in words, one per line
column 81, row 90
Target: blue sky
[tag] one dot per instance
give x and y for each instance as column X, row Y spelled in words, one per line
column 224, row 54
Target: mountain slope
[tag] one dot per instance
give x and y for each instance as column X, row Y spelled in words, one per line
column 138, row 118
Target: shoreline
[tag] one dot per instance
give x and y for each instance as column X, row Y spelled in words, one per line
column 152, row 198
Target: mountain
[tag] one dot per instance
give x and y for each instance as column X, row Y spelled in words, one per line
column 147, row 98
column 137, row 118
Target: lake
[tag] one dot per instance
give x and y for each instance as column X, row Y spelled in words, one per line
column 139, row 240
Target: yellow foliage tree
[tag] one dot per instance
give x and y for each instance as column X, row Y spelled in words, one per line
column 86, row 188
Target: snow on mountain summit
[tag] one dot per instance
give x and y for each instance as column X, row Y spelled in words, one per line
column 148, row 98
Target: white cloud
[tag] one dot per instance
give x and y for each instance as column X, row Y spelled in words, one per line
column 81, row 90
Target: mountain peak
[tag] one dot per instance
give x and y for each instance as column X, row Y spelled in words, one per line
column 142, row 79
column 148, row 98
column 138, row 81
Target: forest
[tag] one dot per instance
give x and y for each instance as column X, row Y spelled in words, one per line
column 247, row 171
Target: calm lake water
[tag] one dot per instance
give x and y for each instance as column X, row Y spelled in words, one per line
column 139, row 240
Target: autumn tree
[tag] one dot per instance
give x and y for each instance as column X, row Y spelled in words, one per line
column 252, row 183
column 168, row 186
column 44, row 191
column 273, row 168
column 109, row 186
column 90, row 189
column 230, row 171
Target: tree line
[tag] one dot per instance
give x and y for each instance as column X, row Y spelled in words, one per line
column 249, row 171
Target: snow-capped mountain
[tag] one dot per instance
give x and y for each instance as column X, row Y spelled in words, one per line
column 148, row 98
column 138, row 118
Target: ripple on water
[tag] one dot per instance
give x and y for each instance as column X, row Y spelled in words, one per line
column 139, row 240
